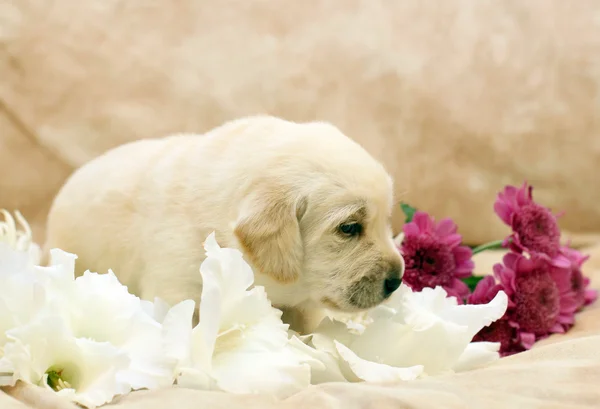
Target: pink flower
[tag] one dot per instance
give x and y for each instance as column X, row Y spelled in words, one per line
column 434, row 257
column 485, row 291
column 579, row 284
column 503, row 330
column 535, row 228
column 540, row 293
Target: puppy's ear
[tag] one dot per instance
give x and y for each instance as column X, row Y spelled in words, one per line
column 268, row 231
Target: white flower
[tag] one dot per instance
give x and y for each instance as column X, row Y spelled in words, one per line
column 45, row 353
column 342, row 364
column 477, row 354
column 240, row 344
column 100, row 308
column 95, row 310
column 413, row 334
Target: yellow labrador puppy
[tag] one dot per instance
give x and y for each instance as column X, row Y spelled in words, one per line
column 308, row 207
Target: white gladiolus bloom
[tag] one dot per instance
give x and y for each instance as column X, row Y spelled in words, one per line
column 45, row 353
column 95, row 315
column 413, row 334
column 240, row 344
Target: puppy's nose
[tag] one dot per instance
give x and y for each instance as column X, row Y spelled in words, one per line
column 390, row 285
column 393, row 281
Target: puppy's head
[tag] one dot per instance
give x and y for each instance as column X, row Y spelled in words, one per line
column 323, row 223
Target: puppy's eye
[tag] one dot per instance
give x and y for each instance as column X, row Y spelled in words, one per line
column 351, row 229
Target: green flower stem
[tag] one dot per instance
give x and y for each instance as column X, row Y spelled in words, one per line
column 492, row 245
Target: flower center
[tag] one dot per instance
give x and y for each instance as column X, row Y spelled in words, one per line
column 537, row 302
column 429, row 262
column 56, row 381
column 537, row 229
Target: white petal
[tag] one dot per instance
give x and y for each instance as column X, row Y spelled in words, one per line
column 332, row 329
column 477, row 354
column 193, row 378
column 204, row 335
column 375, row 372
column 13, row 261
column 6, row 373
column 274, row 372
column 324, row 366
column 98, row 365
column 475, row 317
column 424, row 328
column 120, row 318
column 59, row 276
column 437, row 348
column 177, row 332
column 21, row 299
column 157, row 309
column 231, row 268
column 399, row 239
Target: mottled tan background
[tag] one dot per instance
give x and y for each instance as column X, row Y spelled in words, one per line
column 457, row 98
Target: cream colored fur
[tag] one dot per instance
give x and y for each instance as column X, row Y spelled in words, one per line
column 277, row 190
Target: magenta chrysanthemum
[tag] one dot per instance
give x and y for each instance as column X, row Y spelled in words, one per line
column 535, row 228
column 540, row 293
column 503, row 330
column 434, row 257
column 579, row 283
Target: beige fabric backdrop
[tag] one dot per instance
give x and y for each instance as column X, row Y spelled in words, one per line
column 456, row 97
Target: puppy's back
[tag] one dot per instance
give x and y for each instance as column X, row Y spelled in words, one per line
column 136, row 207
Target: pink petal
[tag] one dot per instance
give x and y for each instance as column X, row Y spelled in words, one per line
column 510, row 192
column 458, row 287
column 503, row 212
column 506, row 277
column 445, row 227
column 561, row 261
column 510, row 260
column 524, row 195
column 524, row 265
column 464, row 267
column 423, row 221
column 510, row 197
column 566, row 319
column 462, row 253
column 590, row 296
column 452, row 240
column 411, row 229
column 513, row 243
column 568, row 304
column 527, row 339
column 557, row 329
column 463, row 271
column 483, row 290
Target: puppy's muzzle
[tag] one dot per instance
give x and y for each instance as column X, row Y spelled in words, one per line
column 372, row 290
